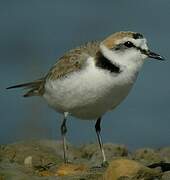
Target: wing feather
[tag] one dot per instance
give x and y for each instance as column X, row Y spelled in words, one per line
column 73, row 60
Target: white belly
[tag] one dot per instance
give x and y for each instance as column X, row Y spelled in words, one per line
column 89, row 93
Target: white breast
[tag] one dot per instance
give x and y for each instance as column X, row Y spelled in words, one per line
column 89, row 93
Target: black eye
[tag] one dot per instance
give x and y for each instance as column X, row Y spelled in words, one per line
column 128, row 44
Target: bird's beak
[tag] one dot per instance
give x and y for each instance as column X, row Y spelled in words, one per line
column 153, row 55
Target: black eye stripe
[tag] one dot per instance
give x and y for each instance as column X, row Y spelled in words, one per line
column 122, row 46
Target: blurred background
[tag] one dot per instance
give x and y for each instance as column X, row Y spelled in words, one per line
column 34, row 33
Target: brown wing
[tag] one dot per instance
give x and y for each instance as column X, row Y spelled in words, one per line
column 73, row 60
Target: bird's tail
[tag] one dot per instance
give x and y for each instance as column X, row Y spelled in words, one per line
column 35, row 88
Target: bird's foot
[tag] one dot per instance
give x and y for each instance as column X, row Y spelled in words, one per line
column 66, row 161
column 105, row 164
column 44, row 167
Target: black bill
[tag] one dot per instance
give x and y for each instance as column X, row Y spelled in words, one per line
column 154, row 55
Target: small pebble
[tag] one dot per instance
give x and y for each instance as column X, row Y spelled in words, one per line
column 28, row 161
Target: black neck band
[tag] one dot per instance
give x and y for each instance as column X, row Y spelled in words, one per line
column 104, row 63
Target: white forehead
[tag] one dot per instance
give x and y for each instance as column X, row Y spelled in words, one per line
column 142, row 43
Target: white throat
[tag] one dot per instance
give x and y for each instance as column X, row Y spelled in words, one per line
column 130, row 60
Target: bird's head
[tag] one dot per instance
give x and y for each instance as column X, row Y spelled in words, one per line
column 127, row 48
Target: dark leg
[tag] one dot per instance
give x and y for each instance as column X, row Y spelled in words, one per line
column 63, row 133
column 98, row 129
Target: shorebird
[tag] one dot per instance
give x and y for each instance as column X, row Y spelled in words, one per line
column 90, row 80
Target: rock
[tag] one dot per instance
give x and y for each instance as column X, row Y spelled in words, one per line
column 165, row 154
column 162, row 166
column 71, row 169
column 147, row 156
column 43, row 159
column 14, row 171
column 122, row 169
column 41, row 155
column 28, row 161
column 166, row 176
